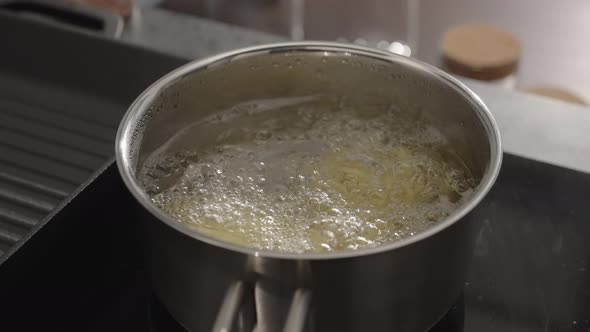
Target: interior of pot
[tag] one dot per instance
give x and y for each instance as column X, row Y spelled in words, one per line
column 360, row 78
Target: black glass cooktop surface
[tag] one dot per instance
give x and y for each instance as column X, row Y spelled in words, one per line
column 83, row 270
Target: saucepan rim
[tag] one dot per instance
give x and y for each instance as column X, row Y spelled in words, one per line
column 139, row 107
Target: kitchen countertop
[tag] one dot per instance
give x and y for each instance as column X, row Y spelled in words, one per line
column 531, row 126
column 188, row 36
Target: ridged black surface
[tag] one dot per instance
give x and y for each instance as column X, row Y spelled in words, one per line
column 62, row 94
column 46, row 151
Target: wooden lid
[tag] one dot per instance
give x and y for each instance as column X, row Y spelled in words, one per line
column 557, row 93
column 480, row 51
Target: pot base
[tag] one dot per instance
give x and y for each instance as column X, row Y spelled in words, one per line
column 162, row 321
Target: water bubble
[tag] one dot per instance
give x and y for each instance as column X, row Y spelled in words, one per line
column 263, row 135
column 313, row 179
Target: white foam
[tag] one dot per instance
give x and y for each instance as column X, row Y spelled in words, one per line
column 310, row 178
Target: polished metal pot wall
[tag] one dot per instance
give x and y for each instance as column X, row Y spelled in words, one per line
column 406, row 285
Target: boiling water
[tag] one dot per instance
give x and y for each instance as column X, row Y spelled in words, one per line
column 306, row 176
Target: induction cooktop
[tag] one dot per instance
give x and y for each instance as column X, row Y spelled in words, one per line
column 83, row 270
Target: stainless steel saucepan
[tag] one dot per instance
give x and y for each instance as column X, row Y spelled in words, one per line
column 406, row 285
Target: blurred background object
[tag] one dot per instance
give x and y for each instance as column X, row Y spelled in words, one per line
column 552, row 34
column 557, row 93
column 272, row 16
column 67, row 14
column 123, row 8
column 482, row 52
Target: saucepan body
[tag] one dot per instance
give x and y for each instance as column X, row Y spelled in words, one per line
column 406, row 285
